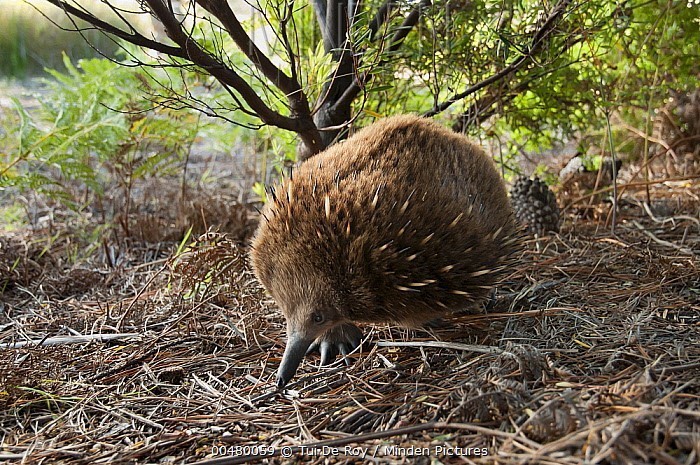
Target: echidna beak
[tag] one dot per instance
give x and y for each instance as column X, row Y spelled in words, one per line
column 293, row 355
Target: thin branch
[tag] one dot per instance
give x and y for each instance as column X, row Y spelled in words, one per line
column 483, row 108
column 380, row 17
column 481, row 349
column 131, row 37
column 336, row 26
column 61, row 340
column 214, row 67
column 291, row 56
column 188, row 49
column 399, row 36
column 538, row 41
column 665, row 243
column 223, row 12
column 321, row 10
column 407, row 25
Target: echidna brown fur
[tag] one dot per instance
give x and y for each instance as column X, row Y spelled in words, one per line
column 404, row 222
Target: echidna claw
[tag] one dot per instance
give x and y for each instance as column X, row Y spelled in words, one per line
column 341, row 339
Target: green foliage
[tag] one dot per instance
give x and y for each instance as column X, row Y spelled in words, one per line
column 623, row 56
column 603, row 57
column 96, row 129
column 11, row 216
column 546, row 175
column 592, row 162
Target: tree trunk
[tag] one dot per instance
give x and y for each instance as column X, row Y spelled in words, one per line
column 333, row 108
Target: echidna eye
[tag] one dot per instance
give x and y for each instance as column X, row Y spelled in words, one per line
column 318, row 318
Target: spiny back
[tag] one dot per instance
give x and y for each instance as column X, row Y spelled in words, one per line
column 402, row 222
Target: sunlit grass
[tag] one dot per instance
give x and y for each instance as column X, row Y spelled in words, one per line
column 29, row 42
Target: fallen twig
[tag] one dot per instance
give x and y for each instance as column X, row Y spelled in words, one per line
column 60, row 340
column 661, row 241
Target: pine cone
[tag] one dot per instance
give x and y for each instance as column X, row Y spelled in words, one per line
column 535, row 205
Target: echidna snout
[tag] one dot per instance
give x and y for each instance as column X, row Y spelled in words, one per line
column 402, row 223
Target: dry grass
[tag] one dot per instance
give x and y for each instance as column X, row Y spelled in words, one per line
column 597, row 358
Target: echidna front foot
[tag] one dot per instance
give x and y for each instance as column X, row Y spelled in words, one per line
column 341, row 339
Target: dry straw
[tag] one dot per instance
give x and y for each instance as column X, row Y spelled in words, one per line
column 591, row 354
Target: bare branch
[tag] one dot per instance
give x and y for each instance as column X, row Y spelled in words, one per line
column 399, row 36
column 223, row 12
column 538, row 40
column 407, row 25
column 217, row 69
column 321, row 11
column 336, row 26
column 291, row 56
column 289, row 85
column 188, row 49
column 483, row 107
column 60, row 340
column 132, row 37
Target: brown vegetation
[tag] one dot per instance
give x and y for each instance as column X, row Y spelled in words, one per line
column 590, row 352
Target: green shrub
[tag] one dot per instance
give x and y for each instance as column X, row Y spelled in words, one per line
column 96, row 130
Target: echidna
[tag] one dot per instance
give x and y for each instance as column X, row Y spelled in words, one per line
column 535, row 205
column 404, row 222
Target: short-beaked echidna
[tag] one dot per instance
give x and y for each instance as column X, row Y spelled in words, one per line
column 403, row 223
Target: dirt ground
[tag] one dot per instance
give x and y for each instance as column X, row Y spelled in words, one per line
column 147, row 351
